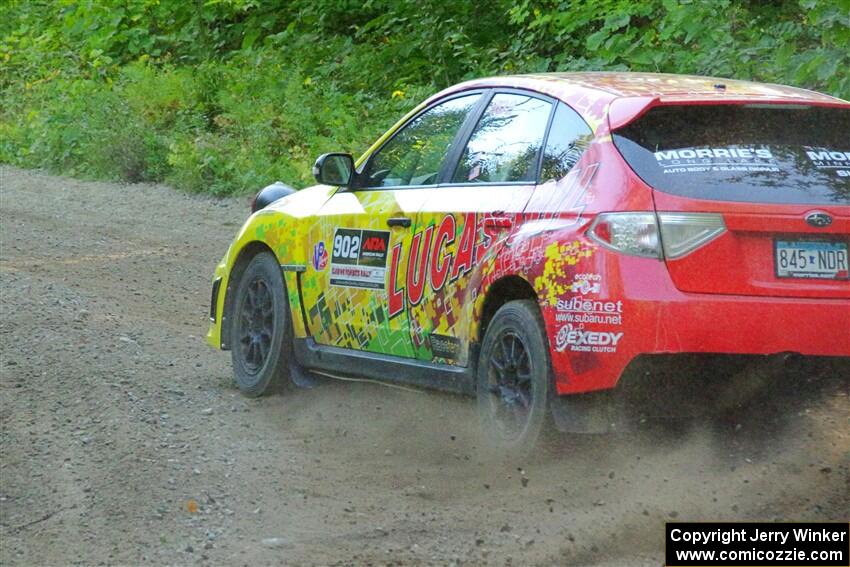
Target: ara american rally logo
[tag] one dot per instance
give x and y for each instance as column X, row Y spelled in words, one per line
column 320, row 257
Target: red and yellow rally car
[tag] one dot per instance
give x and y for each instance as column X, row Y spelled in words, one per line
column 529, row 239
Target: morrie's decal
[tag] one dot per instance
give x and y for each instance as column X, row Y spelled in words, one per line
column 823, row 157
column 437, row 255
column 359, row 258
column 577, row 339
column 703, row 160
column 830, row 159
column 714, row 153
column 320, row 257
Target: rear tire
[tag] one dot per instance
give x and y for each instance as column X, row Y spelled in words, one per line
column 261, row 328
column 514, row 378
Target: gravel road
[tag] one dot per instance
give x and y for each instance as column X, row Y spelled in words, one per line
column 125, row 442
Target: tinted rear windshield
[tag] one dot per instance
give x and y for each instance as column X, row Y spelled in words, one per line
column 747, row 153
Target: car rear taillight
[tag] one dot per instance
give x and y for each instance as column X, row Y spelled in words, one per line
column 638, row 233
column 635, row 234
column 682, row 233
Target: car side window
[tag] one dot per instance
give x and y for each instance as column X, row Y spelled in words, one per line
column 506, row 141
column 569, row 136
column 415, row 154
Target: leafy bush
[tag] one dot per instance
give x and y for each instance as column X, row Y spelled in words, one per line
column 224, row 96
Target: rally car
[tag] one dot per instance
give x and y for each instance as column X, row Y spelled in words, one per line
column 529, row 240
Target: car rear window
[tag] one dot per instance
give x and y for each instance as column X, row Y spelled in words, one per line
column 747, row 153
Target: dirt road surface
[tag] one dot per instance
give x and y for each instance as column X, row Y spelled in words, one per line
column 118, row 419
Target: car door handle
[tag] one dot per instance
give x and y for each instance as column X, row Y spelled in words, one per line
column 399, row 221
column 498, row 222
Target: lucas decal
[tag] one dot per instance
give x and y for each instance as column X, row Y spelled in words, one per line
column 439, row 254
column 359, row 258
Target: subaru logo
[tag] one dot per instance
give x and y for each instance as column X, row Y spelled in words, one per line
column 819, row 219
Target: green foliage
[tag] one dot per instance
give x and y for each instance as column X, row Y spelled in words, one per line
column 805, row 44
column 225, row 96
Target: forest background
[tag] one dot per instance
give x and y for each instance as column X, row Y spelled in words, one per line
column 226, row 96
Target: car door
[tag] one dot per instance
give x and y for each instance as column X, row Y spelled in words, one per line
column 465, row 220
column 360, row 232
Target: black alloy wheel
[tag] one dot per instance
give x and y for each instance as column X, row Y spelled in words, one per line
column 256, row 325
column 261, row 328
column 514, row 377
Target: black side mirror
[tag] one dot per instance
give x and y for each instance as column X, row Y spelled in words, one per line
column 334, row 169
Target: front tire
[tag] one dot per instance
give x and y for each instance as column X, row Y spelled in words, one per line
column 514, row 378
column 261, row 328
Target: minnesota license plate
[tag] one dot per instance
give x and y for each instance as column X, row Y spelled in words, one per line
column 810, row 259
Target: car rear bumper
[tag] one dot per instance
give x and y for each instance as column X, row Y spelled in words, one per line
column 656, row 318
column 750, row 325
column 687, row 386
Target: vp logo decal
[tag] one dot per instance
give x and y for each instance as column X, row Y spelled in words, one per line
column 320, row 257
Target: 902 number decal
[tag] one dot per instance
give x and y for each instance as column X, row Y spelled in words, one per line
column 359, row 258
column 346, row 246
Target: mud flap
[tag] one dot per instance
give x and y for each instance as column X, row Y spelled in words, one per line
column 301, row 377
column 594, row 412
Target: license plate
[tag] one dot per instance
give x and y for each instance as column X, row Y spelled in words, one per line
column 810, row 259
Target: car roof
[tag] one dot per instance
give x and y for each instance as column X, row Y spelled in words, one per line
column 591, row 93
column 665, row 84
column 628, row 84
